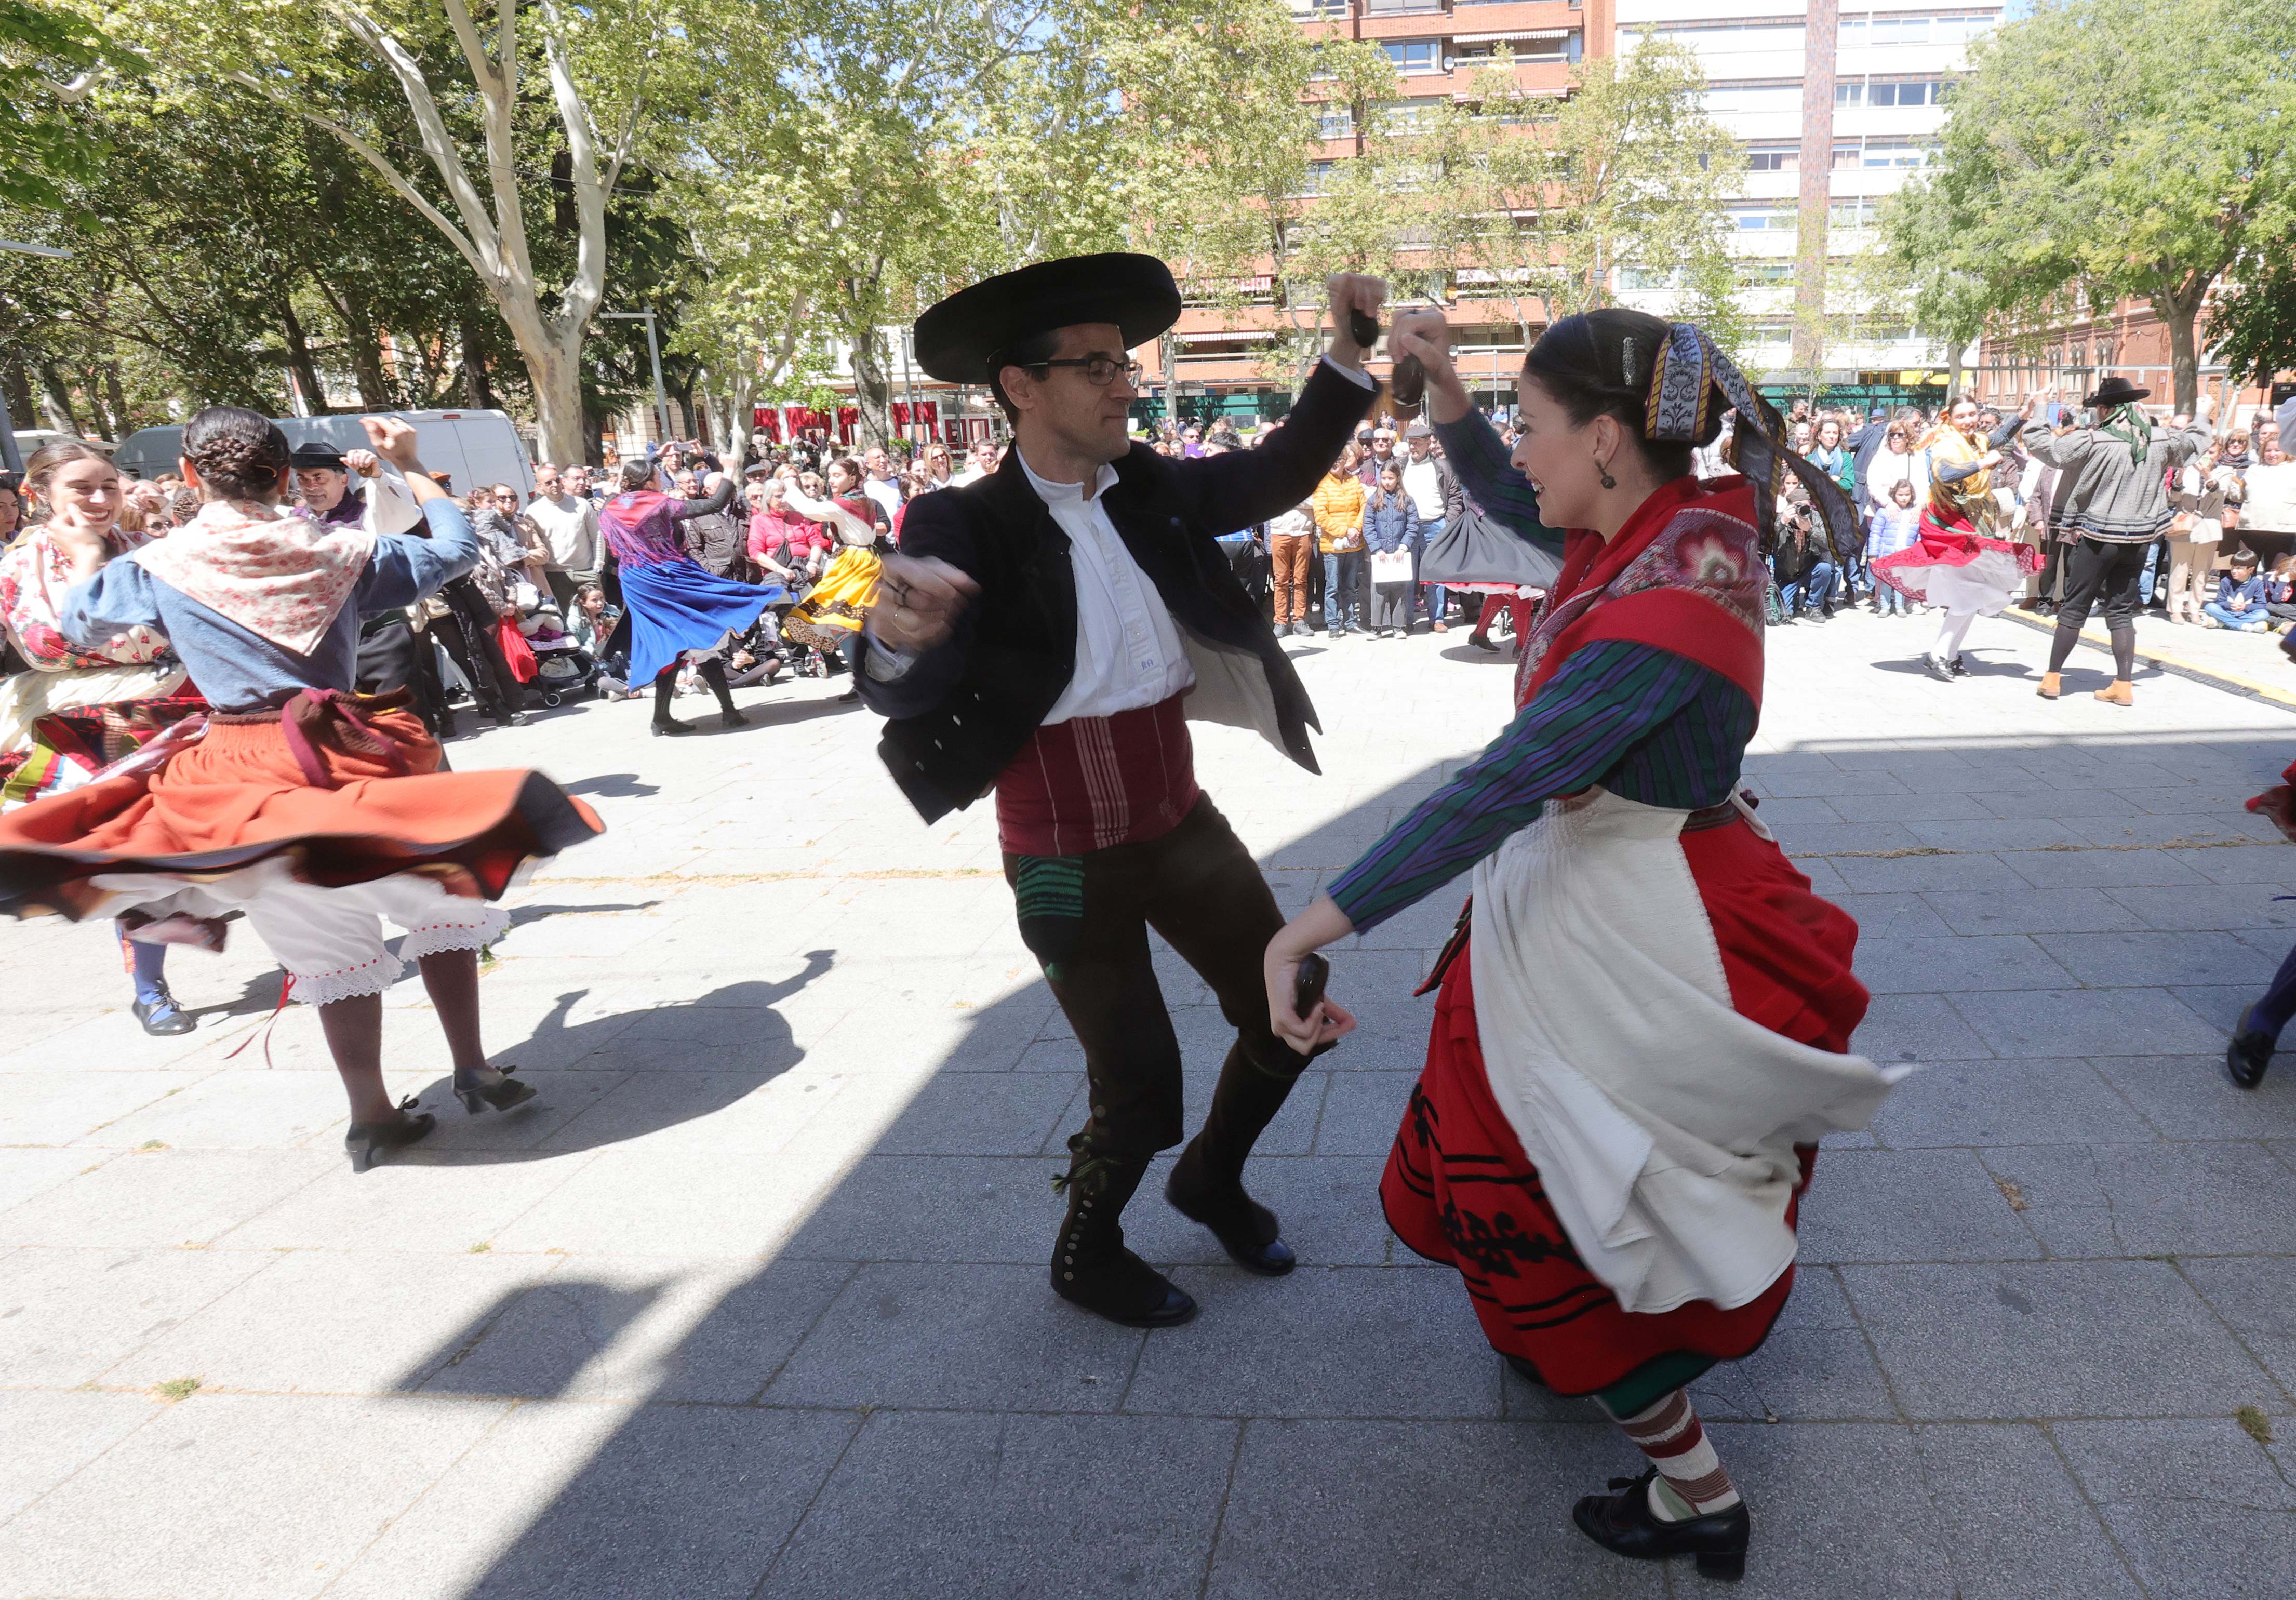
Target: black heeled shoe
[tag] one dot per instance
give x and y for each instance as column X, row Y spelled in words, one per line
column 1625, row 1525
column 670, row 728
column 162, row 1017
column 2248, row 1054
column 365, row 1140
column 731, row 719
column 488, row 1087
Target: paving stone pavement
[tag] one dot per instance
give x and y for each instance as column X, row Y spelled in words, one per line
column 752, row 1301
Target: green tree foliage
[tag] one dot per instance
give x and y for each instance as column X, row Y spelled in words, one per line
column 49, row 59
column 1550, row 206
column 2106, row 148
column 2253, row 325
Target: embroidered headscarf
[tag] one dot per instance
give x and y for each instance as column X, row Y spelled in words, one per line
column 1689, row 383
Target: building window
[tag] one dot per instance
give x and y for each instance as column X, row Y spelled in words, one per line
column 1853, row 213
column 1753, row 97
column 1415, row 55
column 1763, row 219
column 1319, row 8
column 1896, row 152
column 1335, row 121
column 1317, row 178
column 1383, row 7
column 1897, row 92
column 1953, row 27
column 1764, row 275
column 1773, row 157
column 1405, row 115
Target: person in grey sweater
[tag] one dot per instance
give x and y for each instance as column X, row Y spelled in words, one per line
column 2114, row 502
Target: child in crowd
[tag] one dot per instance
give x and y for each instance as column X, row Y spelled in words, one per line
column 2280, row 588
column 1894, row 526
column 2240, row 601
column 1391, row 528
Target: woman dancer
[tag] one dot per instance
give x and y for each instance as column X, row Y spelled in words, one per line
column 316, row 811
column 1957, row 564
column 79, row 710
column 830, row 617
column 672, row 606
column 1646, row 1032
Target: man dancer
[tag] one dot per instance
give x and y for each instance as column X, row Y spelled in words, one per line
column 391, row 654
column 1038, row 636
column 2115, row 501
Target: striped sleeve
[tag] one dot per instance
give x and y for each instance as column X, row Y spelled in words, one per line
column 1478, row 456
column 1613, row 705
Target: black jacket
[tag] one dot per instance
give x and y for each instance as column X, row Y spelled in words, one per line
column 962, row 712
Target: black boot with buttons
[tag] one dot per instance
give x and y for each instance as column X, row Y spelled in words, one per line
column 1091, row 1266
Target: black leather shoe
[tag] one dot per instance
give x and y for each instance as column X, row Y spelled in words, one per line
column 1124, row 1289
column 163, row 1017
column 490, row 1086
column 1625, row 1525
column 2245, row 1058
column 733, row 720
column 1246, row 1229
column 1959, row 668
column 670, row 728
column 365, row 1140
column 1482, row 641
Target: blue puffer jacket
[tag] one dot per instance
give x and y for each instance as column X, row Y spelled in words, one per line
column 1391, row 527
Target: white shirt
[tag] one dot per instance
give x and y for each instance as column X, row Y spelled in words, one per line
column 1422, row 480
column 1129, row 652
column 884, row 494
column 570, row 525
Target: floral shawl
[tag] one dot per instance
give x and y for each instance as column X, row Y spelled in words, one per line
column 282, row 577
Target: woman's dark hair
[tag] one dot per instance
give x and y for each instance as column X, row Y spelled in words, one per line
column 634, row 475
column 239, row 455
column 849, row 467
column 1598, row 364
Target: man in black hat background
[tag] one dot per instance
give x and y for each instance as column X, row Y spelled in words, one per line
column 2113, row 496
column 339, row 488
column 1037, row 637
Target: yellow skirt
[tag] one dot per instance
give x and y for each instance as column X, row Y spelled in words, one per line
column 839, row 603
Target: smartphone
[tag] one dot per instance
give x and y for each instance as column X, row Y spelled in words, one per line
column 1307, row 985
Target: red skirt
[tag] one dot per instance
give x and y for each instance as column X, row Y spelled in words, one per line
column 347, row 793
column 1963, row 565
column 1458, row 1188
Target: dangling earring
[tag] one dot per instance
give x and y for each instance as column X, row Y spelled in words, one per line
column 1604, row 467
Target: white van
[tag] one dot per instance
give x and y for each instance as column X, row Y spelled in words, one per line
column 470, row 447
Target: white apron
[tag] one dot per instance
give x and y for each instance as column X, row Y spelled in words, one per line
column 1661, row 1120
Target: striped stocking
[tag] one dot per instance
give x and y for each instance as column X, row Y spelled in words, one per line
column 1691, row 1482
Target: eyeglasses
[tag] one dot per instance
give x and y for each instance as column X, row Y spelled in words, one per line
column 1099, row 371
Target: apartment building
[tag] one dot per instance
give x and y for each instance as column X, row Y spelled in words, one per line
column 1838, row 103
column 1438, row 47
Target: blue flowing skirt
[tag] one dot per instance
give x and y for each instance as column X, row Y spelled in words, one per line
column 674, row 606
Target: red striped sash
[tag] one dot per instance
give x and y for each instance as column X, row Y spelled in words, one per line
column 1094, row 782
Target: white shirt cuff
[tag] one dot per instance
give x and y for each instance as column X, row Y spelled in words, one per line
column 1356, row 375
column 880, row 660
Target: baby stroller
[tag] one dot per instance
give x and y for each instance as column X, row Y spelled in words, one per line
column 562, row 669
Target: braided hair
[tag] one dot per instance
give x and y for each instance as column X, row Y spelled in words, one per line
column 1599, row 364
column 239, row 455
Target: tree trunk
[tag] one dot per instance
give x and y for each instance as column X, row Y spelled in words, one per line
column 56, row 400
column 117, row 393
column 376, row 392
column 2179, row 309
column 305, row 371
column 555, row 370
column 478, row 393
column 873, row 390
column 99, row 412
column 21, row 412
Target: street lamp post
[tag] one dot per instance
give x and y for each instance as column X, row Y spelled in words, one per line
column 653, row 350
column 9, row 453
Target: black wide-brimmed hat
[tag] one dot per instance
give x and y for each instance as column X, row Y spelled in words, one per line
column 315, row 452
column 2114, row 391
column 956, row 338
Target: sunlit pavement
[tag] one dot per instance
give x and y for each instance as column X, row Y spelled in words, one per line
column 752, row 1301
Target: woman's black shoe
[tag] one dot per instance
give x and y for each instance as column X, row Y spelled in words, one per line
column 670, row 728
column 733, row 720
column 363, row 1140
column 1625, row 1525
column 1940, row 671
column 162, row 1017
column 1482, row 641
column 488, row 1087
column 2248, row 1054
